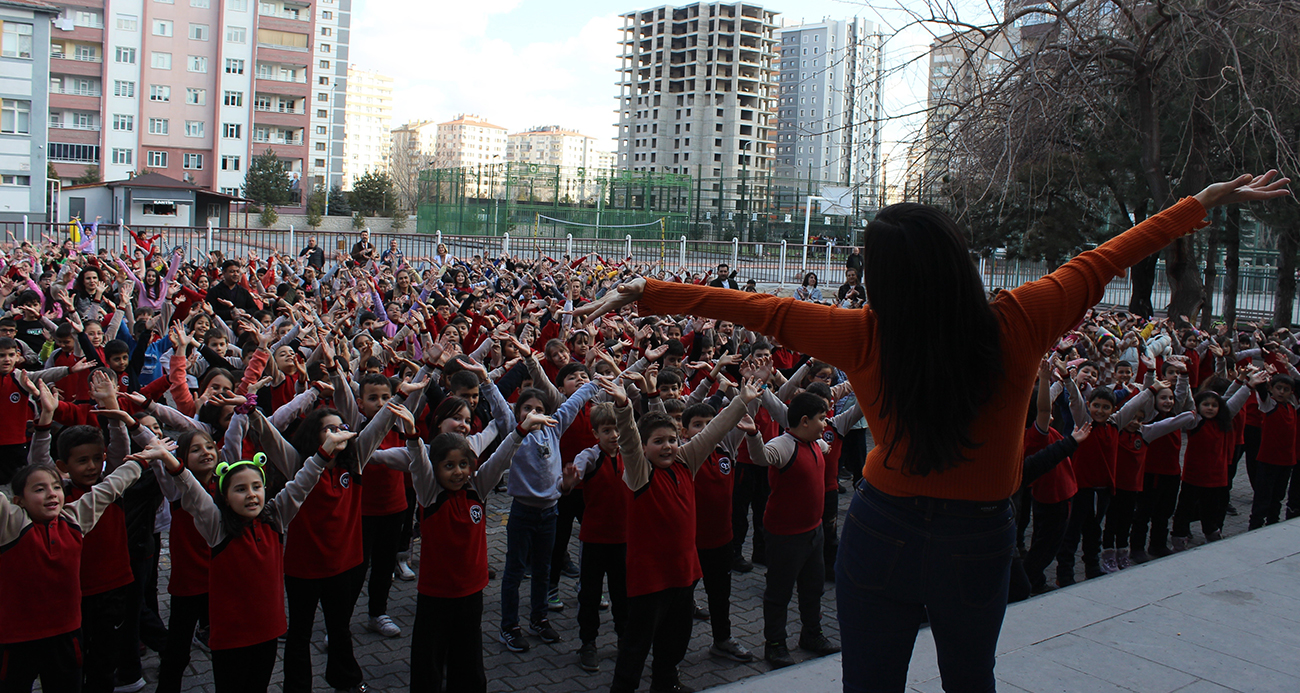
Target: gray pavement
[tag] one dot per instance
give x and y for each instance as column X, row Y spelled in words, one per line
column 554, row 668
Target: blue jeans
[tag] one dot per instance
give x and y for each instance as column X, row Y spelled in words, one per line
column 530, row 535
column 902, row 559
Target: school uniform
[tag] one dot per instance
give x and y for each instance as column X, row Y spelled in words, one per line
column 714, row 484
column 1274, row 461
column 750, row 494
column 1052, row 494
column 570, row 506
column 1155, row 504
column 16, row 418
column 604, row 540
column 383, row 510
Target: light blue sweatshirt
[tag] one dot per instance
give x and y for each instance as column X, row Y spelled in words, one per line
column 535, row 472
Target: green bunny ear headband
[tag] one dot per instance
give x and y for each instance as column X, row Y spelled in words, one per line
column 226, row 468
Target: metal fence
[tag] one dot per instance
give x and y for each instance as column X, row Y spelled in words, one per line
column 781, row 263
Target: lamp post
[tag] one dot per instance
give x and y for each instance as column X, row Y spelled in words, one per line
column 807, row 219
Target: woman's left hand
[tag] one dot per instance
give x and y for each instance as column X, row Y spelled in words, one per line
column 628, row 292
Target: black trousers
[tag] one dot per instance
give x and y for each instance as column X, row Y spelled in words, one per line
column 337, row 597
column 830, row 529
column 660, row 621
column 1119, row 520
column 716, row 564
column 567, row 509
column 1050, row 522
column 1155, row 505
column 101, row 623
column 1200, row 503
column 749, row 494
column 854, row 453
column 244, row 669
column 186, row 614
column 1086, row 513
column 794, row 559
column 601, row 561
column 409, row 526
column 1024, row 507
column 1293, row 496
column 1253, row 436
column 447, row 645
column 380, row 542
column 153, row 632
column 1270, row 490
column 56, row 661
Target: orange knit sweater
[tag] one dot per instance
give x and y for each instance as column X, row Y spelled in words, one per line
column 1032, row 316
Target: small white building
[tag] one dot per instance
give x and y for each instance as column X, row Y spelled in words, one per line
column 151, row 199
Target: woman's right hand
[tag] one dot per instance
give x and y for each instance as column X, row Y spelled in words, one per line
column 1244, row 188
column 628, row 292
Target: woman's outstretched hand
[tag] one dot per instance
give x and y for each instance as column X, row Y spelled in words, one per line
column 1244, row 188
column 628, row 292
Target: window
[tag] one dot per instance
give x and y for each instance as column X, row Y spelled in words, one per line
column 198, row 32
column 236, row 34
column 319, row 163
column 192, row 161
column 261, row 102
column 15, row 180
column 198, row 63
column 322, row 113
column 160, row 209
column 238, row 5
column 326, row 14
column 193, row 128
column 324, row 48
column 230, row 130
column 201, row 4
column 320, row 146
column 322, row 97
column 160, row 61
column 234, row 67
column 324, row 64
column 322, row 130
column 162, row 27
column 323, row 80
column 282, row 39
column 126, row 55
column 196, row 97
column 127, row 22
column 123, row 88
column 267, row 8
column 122, row 156
column 122, row 122
column 160, row 92
column 233, row 98
column 326, row 31
column 159, row 126
column 156, row 159
column 229, row 162
column 17, row 42
column 88, row 18
column 15, row 116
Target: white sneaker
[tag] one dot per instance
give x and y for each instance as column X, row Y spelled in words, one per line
column 1122, row 559
column 403, row 571
column 1180, row 544
column 130, row 687
column 384, row 626
column 1108, row 564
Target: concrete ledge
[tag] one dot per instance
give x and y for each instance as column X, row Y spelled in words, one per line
column 1221, row 617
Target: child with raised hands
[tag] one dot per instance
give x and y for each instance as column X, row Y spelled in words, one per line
column 450, row 486
column 662, row 562
column 43, row 533
column 246, row 574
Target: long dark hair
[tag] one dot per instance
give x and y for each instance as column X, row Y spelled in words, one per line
column 917, row 265
column 306, row 440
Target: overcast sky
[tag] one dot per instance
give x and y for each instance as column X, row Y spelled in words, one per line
column 521, row 63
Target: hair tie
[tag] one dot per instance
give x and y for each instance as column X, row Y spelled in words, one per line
column 249, row 403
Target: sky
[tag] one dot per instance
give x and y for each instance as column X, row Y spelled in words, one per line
column 524, row 63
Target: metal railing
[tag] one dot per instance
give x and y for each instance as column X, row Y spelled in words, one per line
column 768, row 264
column 269, row 109
column 80, row 58
column 61, row 125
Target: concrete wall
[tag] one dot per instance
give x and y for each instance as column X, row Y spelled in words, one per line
column 299, row 223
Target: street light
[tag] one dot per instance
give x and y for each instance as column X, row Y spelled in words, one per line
column 807, row 219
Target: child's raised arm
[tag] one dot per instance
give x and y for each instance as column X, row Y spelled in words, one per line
column 695, row 451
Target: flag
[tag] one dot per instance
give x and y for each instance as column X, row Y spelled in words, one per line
column 74, row 229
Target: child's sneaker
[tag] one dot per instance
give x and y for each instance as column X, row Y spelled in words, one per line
column 587, row 657
column 403, row 570
column 384, row 626
column 1107, row 562
column 1180, row 543
column 513, row 639
column 543, row 630
column 1122, row 559
column 731, row 649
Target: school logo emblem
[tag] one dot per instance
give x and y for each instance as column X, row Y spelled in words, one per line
column 126, row 380
column 476, row 513
column 724, row 465
column 1137, row 443
column 14, row 397
column 346, row 480
column 829, row 436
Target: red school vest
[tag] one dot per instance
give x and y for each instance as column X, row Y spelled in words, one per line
column 1164, row 455
column 661, row 533
column 578, row 436
column 453, row 553
column 1094, row 461
column 384, row 490
column 1058, row 484
column 1206, row 452
column 832, row 456
column 15, row 412
column 606, row 498
column 105, row 560
column 246, row 588
column 325, row 538
column 1130, row 461
column 798, row 494
column 190, row 553
column 713, row 487
column 1277, row 436
column 767, row 428
column 40, row 582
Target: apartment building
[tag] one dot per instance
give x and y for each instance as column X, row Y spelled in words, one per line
column 194, row 89
column 556, row 146
column 369, row 119
column 24, row 32
column 697, row 93
column 469, row 140
column 830, row 106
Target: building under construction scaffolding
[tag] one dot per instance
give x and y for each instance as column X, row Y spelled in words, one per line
column 536, row 199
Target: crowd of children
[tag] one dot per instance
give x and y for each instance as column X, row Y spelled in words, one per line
column 294, row 425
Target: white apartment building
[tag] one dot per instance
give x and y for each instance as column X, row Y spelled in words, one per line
column 556, row 146
column 697, row 94
column 469, row 140
column 25, row 64
column 328, row 104
column 369, row 119
column 830, row 107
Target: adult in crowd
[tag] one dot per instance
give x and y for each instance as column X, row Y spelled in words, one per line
column 851, row 293
column 363, row 251
column 230, row 293
column 313, row 255
column 726, row 279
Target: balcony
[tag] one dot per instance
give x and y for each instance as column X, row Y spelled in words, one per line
column 281, row 86
column 281, row 47
column 69, row 100
column 76, row 92
column 280, row 109
column 267, row 139
column 76, row 56
column 60, row 125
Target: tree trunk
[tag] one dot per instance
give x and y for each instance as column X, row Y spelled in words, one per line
column 1153, row 172
column 1231, row 239
column 1142, row 276
column 1284, row 301
column 1211, row 272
